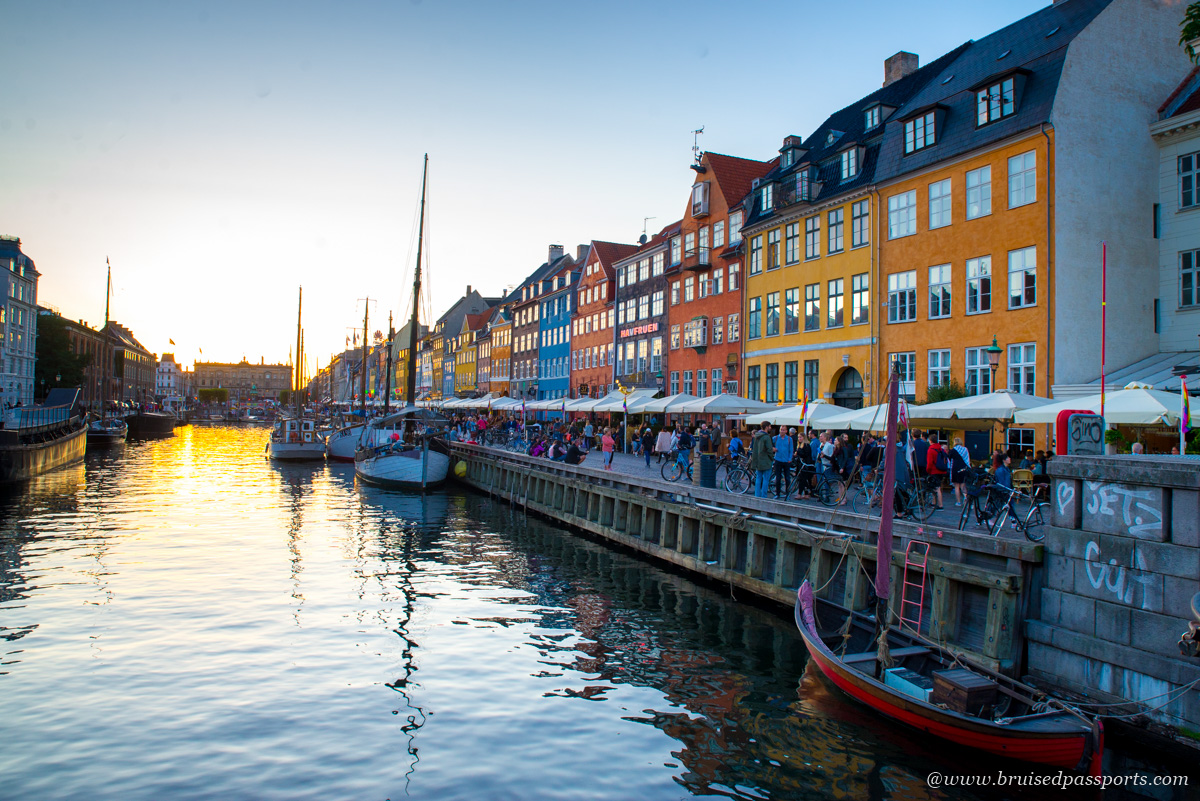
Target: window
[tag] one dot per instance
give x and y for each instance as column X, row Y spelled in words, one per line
column 772, row 383
column 718, row 330
column 1022, row 367
column 767, row 197
column 657, row 264
column 734, row 269
column 906, row 366
column 676, row 250
column 835, row 304
column 756, row 255
column 695, row 333
column 717, row 389
column 620, row 277
column 812, row 307
column 657, row 304
column 689, row 289
column 939, row 204
column 902, row 297
column 719, row 234
column 735, row 227
column 674, row 293
column 979, row 193
column 734, row 329
column 979, row 285
column 718, row 280
column 675, row 337
column 849, row 163
column 753, row 320
column 1021, row 439
column 752, row 373
column 791, row 311
column 687, row 381
column 920, row 132
column 812, row 237
column 674, row 382
column 792, row 243
column 700, row 199
column 836, row 228
column 791, row 381
column 939, row 291
column 772, row 314
column 979, row 372
column 621, row 313
column 644, row 270
column 994, row 102
column 939, row 368
column 773, row 249
column 1022, row 278
column 702, row 383
column 1189, row 166
column 812, row 372
column 860, row 223
column 902, row 214
column 643, row 307
column 643, row 352
column 804, row 184
column 871, row 118
column 1189, row 266
column 860, row 299
column 1022, row 180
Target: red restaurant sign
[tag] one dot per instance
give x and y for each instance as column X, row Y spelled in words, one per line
column 649, row 328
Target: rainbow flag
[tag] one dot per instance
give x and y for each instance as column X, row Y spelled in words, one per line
column 624, row 404
column 804, row 410
column 1185, row 408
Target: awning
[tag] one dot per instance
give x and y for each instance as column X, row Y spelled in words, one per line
column 1158, row 371
column 789, row 415
column 1133, row 406
column 670, row 404
column 619, row 402
column 723, row 404
column 999, row 406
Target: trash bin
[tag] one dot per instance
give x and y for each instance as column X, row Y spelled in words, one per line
column 708, row 471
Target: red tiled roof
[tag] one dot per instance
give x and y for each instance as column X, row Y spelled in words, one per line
column 609, row 252
column 736, row 175
column 478, row 321
column 1182, row 85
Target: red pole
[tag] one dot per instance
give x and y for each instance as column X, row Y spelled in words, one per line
column 1103, row 320
column 883, row 564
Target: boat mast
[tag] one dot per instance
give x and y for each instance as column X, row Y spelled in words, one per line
column 387, row 376
column 296, row 363
column 411, row 377
column 107, row 355
column 363, row 397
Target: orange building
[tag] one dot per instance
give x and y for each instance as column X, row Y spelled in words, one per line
column 592, row 340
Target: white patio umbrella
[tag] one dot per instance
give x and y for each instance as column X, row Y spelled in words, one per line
column 872, row 418
column 505, row 404
column 999, row 405
column 722, row 404
column 789, row 415
column 615, row 404
column 671, row 404
column 1132, row 406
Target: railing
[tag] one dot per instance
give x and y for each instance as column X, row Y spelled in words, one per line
column 35, row 417
column 697, row 259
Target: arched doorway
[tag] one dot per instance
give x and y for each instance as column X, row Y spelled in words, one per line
column 849, row 392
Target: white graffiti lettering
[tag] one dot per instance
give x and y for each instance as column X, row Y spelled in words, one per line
column 1118, row 580
column 1137, row 512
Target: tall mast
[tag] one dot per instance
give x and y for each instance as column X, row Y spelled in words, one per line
column 296, row 361
column 411, row 376
column 387, row 376
column 363, row 397
column 107, row 355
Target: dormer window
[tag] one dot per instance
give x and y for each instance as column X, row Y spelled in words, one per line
column 789, row 157
column 920, row 132
column 872, row 117
column 700, row 199
column 767, row 197
column 995, row 101
column 849, row 163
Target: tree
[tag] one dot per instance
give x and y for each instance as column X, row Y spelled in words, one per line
column 945, row 392
column 56, row 365
column 285, row 395
column 1190, row 30
column 213, row 395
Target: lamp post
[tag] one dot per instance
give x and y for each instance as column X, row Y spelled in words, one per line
column 993, row 354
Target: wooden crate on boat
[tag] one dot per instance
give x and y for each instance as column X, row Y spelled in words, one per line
column 963, row 690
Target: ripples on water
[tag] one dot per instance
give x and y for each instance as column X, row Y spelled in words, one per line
column 183, row 619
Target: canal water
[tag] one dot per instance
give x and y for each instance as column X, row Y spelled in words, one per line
column 183, row 619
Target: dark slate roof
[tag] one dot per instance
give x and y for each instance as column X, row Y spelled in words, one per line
column 452, row 320
column 543, row 272
column 1038, row 43
column 849, row 127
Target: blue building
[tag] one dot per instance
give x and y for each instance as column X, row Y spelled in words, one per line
column 554, row 329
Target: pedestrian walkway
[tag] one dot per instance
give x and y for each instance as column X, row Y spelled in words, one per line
column 635, row 466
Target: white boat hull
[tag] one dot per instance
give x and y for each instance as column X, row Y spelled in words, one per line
column 344, row 443
column 297, row 451
column 404, row 469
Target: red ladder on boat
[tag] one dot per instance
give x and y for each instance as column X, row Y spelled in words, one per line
column 916, row 556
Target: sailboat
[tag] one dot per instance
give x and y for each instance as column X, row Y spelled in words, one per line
column 909, row 678
column 412, row 455
column 295, row 436
column 343, row 443
column 107, row 430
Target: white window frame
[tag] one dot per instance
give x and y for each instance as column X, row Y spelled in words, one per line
column 979, row 192
column 939, row 367
column 902, row 214
column 1022, row 368
column 902, row 297
column 978, row 372
column 1022, row 179
column 979, row 285
column 940, row 294
column 940, row 195
column 1022, row 278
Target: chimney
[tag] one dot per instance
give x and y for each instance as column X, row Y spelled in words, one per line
column 468, row 291
column 580, row 252
column 898, row 66
column 556, row 252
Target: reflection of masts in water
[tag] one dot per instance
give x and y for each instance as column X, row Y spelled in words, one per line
column 295, row 557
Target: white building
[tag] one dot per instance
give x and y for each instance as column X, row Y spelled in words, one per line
column 18, row 324
column 169, row 378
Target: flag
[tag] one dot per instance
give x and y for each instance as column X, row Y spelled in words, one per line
column 202, row 350
column 171, row 341
column 1185, row 408
column 804, row 410
column 903, row 413
column 624, row 404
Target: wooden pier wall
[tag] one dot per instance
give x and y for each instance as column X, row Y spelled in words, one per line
column 976, row 586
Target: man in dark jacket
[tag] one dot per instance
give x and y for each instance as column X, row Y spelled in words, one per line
column 762, row 459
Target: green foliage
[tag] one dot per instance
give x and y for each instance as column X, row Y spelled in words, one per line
column 213, row 395
column 56, row 365
column 945, row 392
column 1193, row 445
column 285, row 397
column 1190, row 29
column 1114, row 437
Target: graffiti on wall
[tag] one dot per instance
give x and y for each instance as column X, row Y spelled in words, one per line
column 1122, row 509
column 1121, row 580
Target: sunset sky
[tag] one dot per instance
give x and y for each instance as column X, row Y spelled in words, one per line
column 222, row 154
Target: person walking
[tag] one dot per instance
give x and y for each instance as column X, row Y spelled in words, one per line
column 762, row 457
column 608, row 445
column 937, row 465
column 663, row 445
column 647, row 443
column 960, row 466
column 588, row 432
column 784, row 450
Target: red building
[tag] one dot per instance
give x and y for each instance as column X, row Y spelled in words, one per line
column 704, row 315
column 592, row 327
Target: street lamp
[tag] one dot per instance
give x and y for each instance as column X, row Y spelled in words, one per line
column 993, row 353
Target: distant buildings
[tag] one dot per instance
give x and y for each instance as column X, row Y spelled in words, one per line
column 18, row 324
column 244, row 381
column 170, row 380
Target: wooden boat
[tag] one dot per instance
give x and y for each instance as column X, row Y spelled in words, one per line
column 1017, row 724
column 150, row 425
column 929, row 687
column 294, row 437
column 37, row 439
column 107, row 431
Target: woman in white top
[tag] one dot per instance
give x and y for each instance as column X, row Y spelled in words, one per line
column 662, row 445
column 958, row 470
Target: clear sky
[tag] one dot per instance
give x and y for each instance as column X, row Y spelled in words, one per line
column 221, row 154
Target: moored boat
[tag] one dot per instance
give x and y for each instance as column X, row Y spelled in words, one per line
column 37, row 439
column 412, row 456
column 150, row 425
column 295, row 439
column 107, row 431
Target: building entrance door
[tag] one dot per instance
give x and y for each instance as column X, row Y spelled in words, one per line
column 849, row 392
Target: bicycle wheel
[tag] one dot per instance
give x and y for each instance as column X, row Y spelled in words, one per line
column 829, row 490
column 671, row 471
column 864, row 501
column 924, row 504
column 1028, row 516
column 737, row 480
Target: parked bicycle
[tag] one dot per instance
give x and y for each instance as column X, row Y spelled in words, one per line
column 914, row 502
column 676, row 466
column 1025, row 513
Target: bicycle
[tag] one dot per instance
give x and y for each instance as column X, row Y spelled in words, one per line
column 1025, row 513
column 980, row 500
column 830, row 488
column 673, row 469
column 869, row 497
column 739, row 479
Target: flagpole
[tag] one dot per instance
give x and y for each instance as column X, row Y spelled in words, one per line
column 1184, row 414
column 1103, row 324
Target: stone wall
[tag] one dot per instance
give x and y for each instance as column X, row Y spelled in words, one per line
column 1122, row 562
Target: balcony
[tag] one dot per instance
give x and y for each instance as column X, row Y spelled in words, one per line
column 698, row 259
